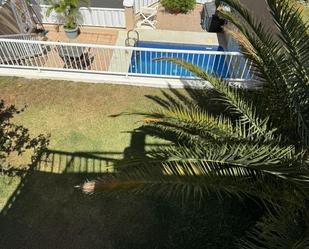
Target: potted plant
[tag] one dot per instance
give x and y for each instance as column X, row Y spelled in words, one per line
column 178, row 6
column 68, row 13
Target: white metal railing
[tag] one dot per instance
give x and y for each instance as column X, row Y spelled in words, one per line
column 90, row 16
column 20, row 36
column 125, row 61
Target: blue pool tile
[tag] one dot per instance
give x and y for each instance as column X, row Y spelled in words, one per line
column 143, row 62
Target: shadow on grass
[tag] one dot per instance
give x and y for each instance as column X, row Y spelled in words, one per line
column 46, row 211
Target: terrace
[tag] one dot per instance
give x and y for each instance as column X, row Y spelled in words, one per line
column 106, row 52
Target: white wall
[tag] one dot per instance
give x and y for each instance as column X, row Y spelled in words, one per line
column 104, row 17
column 90, row 16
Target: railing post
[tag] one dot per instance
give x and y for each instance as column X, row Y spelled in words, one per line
column 129, row 14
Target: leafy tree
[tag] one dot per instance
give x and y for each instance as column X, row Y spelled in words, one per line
column 255, row 147
column 15, row 139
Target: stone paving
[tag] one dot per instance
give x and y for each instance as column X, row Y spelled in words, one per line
column 92, row 35
column 180, row 22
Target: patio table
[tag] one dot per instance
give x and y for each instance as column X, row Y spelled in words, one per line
column 70, row 51
column 73, row 57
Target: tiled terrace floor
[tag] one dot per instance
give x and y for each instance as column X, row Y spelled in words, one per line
column 180, row 22
column 99, row 58
column 91, row 35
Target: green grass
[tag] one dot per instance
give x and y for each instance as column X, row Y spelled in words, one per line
column 77, row 116
column 7, row 188
column 49, row 212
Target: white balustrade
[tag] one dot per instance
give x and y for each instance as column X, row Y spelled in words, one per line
column 135, row 61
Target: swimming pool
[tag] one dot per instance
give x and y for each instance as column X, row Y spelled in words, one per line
column 142, row 61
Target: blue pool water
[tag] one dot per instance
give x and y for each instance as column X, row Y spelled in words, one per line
column 143, row 62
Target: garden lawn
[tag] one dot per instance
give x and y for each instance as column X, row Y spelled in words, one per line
column 49, row 212
column 78, row 115
column 7, row 188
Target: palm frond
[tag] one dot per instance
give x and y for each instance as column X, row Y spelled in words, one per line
column 242, row 152
column 293, row 34
column 230, row 96
column 282, row 69
column 193, row 120
column 238, row 170
column 287, row 229
column 295, row 38
column 263, row 49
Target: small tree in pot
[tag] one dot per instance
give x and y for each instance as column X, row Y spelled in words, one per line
column 67, row 12
column 178, row 6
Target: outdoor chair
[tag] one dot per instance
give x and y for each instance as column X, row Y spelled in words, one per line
column 148, row 16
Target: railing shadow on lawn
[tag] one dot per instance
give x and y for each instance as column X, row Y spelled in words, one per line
column 24, row 179
column 46, row 207
column 89, row 163
column 61, row 162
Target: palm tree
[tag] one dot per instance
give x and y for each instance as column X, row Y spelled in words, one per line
column 67, row 12
column 257, row 147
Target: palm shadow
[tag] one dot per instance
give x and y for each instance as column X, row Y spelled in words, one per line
column 204, row 98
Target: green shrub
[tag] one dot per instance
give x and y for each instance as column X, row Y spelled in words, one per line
column 178, row 6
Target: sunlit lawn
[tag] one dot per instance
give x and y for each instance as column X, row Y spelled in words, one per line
column 7, row 187
column 77, row 116
column 50, row 213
